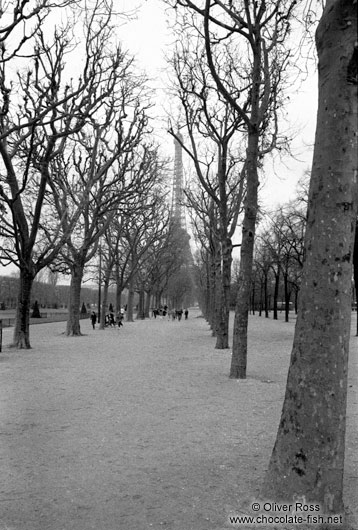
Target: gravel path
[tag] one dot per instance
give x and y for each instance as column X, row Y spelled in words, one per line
column 141, row 428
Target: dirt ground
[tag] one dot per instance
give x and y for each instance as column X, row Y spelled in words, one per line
column 141, row 428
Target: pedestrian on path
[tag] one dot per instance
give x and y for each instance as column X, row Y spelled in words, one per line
column 120, row 318
column 93, row 319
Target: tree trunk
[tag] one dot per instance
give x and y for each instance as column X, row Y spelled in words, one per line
column 266, row 295
column 296, row 299
column 104, row 306
column 73, row 319
column 207, row 289
column 21, row 338
column 355, row 272
column 287, row 297
column 118, row 299
column 141, row 312
column 119, row 290
column 252, row 300
column 275, row 295
column 308, row 457
column 221, row 319
column 222, row 339
column 213, row 284
column 239, row 348
column 130, row 302
column 148, row 298
column 261, row 297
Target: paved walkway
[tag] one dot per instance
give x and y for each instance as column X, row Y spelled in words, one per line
column 141, row 428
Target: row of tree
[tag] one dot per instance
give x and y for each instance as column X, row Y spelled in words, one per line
column 81, row 175
column 231, row 68
column 278, row 256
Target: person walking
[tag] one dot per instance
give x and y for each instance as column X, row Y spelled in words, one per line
column 120, row 318
column 93, row 319
column 186, row 313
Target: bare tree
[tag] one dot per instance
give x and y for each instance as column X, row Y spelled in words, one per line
column 214, row 149
column 307, row 461
column 261, row 29
column 110, row 176
column 203, row 213
column 39, row 114
column 137, row 227
column 170, row 258
column 144, row 231
column 20, row 22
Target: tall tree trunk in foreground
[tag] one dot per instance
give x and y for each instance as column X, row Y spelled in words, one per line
column 308, row 456
column 355, row 266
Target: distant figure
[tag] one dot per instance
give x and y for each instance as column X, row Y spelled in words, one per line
column 186, row 313
column 120, row 318
column 179, row 313
column 111, row 319
column 93, row 319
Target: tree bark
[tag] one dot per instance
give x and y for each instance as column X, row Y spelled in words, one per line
column 148, row 297
column 308, row 456
column 130, row 302
column 253, row 308
column 213, row 283
column 21, row 338
column 119, row 291
column 275, row 296
column 141, row 309
column 239, row 347
column 355, row 272
column 222, row 338
column 287, row 296
column 266, row 294
column 73, row 320
column 104, row 305
column 219, row 295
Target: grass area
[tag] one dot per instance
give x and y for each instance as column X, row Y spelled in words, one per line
column 47, row 316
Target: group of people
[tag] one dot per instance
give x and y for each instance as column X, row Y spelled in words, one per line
column 173, row 314
column 113, row 321
column 110, row 320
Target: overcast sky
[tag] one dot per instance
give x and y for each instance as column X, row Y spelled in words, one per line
column 149, row 38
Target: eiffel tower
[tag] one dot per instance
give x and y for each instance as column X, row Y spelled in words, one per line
column 178, row 214
column 178, row 208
